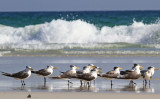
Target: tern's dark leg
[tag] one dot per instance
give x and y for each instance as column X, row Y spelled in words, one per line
column 145, row 82
column 68, row 82
column 88, row 84
column 81, row 82
column 94, row 82
column 24, row 83
column 111, row 84
column 44, row 79
column 149, row 83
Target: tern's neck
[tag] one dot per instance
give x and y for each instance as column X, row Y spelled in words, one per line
column 50, row 70
column 28, row 70
column 73, row 70
column 86, row 70
column 151, row 71
column 94, row 73
column 137, row 71
column 117, row 71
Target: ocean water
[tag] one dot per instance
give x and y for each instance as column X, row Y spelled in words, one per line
column 80, row 33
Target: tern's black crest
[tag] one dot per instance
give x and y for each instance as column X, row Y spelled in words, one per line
column 115, row 68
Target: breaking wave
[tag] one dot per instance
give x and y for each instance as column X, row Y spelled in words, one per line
column 78, row 32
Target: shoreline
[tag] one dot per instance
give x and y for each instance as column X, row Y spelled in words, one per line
column 81, row 55
column 72, row 95
column 85, row 53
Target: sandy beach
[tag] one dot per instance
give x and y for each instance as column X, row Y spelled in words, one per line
column 73, row 95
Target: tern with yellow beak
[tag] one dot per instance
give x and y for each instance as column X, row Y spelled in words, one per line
column 88, row 77
column 111, row 74
column 20, row 75
column 131, row 74
column 86, row 69
column 45, row 72
column 68, row 74
column 147, row 74
column 93, row 67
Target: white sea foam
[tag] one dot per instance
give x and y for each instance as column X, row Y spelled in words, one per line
column 79, row 32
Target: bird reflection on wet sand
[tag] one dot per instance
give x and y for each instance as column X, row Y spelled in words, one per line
column 80, row 89
column 52, row 87
column 48, row 88
column 129, row 88
column 135, row 89
column 22, row 88
column 89, row 89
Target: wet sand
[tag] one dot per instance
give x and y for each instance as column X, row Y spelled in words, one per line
column 73, row 95
column 35, row 83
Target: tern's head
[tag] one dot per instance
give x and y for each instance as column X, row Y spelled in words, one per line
column 96, row 70
column 29, row 68
column 137, row 66
column 152, row 68
column 94, row 66
column 117, row 68
column 91, row 65
column 74, row 67
column 86, row 67
column 51, row 67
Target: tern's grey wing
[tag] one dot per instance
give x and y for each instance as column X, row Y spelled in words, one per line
column 125, row 72
column 43, row 72
column 131, row 75
column 110, row 75
column 111, row 72
column 80, row 72
column 20, row 75
column 68, row 74
column 86, row 77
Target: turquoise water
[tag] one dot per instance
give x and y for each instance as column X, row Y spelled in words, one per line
column 98, row 18
column 83, row 33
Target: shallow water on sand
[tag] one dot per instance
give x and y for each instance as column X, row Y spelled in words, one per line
column 35, row 83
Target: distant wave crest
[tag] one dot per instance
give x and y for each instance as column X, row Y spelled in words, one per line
column 78, row 31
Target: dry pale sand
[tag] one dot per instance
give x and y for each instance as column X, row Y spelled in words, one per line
column 75, row 95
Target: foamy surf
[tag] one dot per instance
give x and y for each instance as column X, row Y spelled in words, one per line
column 82, row 36
column 78, row 31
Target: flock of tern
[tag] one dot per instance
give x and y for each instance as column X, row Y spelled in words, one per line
column 87, row 74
